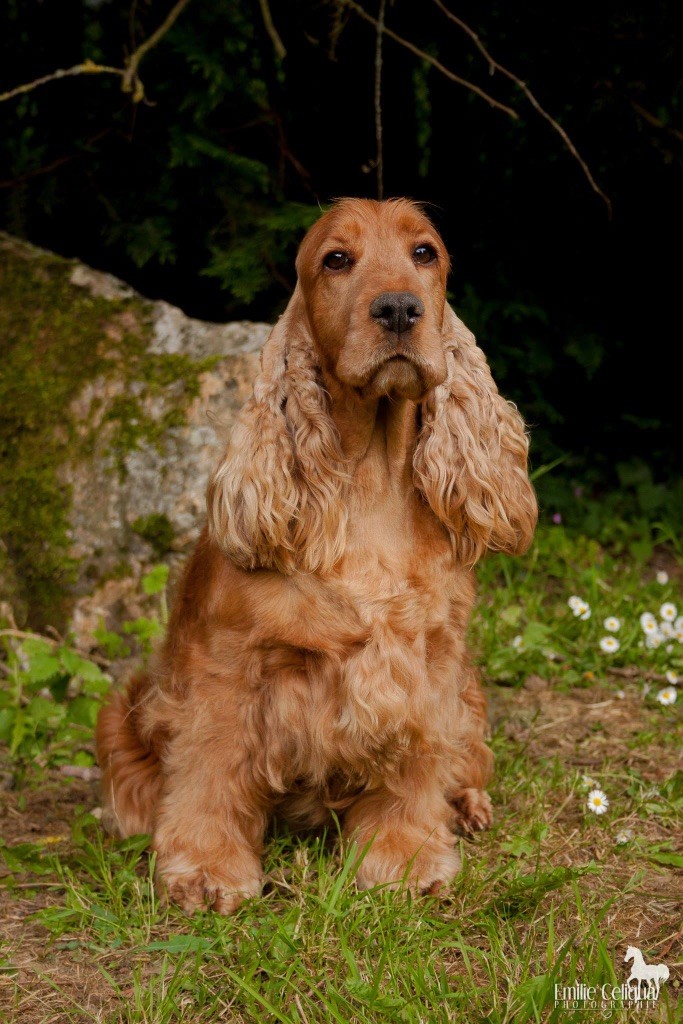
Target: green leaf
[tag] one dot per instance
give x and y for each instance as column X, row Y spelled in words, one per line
column 181, row 944
column 18, row 731
column 44, row 711
column 83, row 711
column 113, row 645
column 511, row 615
column 518, row 847
column 6, row 723
column 673, row 787
column 94, row 679
column 42, row 667
column 674, row 860
column 25, row 857
column 155, row 580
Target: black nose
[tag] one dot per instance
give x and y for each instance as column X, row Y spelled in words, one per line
column 397, row 311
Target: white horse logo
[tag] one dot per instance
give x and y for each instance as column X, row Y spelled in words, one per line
column 653, row 974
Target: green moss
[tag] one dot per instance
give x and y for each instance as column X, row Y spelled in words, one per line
column 157, row 531
column 56, row 338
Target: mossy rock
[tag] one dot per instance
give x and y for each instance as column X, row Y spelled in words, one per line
column 103, row 425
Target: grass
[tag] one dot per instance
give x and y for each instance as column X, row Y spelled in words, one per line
column 547, row 897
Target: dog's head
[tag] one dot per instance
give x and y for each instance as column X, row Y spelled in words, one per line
column 373, row 280
column 370, row 312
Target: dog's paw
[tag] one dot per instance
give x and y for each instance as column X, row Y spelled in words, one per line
column 195, row 889
column 425, row 865
column 473, row 811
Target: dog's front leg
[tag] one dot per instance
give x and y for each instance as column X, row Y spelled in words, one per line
column 403, row 827
column 208, row 832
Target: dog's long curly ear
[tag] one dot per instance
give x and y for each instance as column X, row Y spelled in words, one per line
column 274, row 500
column 471, row 458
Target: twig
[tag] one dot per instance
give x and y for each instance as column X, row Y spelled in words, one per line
column 655, row 121
column 20, row 634
column 423, row 55
column 378, row 100
column 88, row 67
column 130, row 80
column 275, row 39
column 494, row 65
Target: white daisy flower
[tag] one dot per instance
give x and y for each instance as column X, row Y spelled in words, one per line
column 662, row 577
column 667, row 695
column 648, row 622
column 581, row 608
column 609, row 644
column 678, row 633
column 668, row 611
column 666, row 629
column 518, row 643
column 597, row 801
column 589, row 782
column 620, row 694
column 654, row 640
column 612, row 623
column 672, row 677
column 678, row 624
column 623, row 836
column 669, row 648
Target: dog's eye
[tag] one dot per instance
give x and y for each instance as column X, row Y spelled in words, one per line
column 424, row 254
column 337, row 260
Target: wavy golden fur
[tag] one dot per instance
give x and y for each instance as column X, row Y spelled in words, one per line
column 315, row 657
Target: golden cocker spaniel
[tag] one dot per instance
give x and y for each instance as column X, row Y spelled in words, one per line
column 315, row 656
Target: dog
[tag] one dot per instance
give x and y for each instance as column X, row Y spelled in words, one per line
column 315, row 658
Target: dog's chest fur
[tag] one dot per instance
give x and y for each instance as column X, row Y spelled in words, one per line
column 346, row 719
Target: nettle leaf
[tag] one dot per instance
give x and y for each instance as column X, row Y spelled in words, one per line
column 42, row 663
column 83, row 711
column 94, row 679
column 43, row 711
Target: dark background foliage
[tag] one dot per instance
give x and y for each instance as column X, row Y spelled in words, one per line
column 200, row 194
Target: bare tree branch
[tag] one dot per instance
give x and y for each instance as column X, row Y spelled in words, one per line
column 495, row 66
column 88, row 67
column 278, row 45
column 378, row 100
column 656, row 122
column 423, row 55
column 130, row 80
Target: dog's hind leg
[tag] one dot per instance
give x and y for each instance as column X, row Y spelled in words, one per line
column 130, row 764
